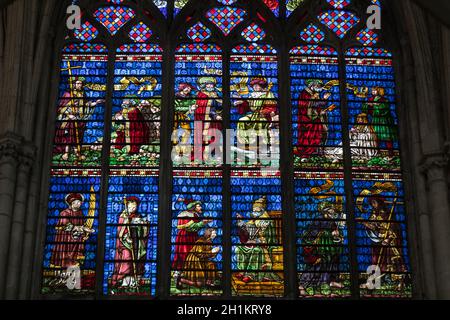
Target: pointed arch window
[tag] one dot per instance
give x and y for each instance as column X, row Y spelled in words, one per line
column 198, row 204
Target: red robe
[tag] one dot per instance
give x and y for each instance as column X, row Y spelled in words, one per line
column 206, row 110
column 124, row 265
column 311, row 132
column 184, row 242
column 67, row 250
column 268, row 108
column 69, row 132
column 136, row 133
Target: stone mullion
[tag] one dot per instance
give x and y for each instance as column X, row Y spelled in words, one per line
column 9, row 154
column 104, row 184
column 287, row 176
column 227, row 219
column 348, row 180
column 18, row 222
column 435, row 168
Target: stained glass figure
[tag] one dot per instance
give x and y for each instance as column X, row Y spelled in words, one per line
column 381, row 235
column 72, row 228
column 197, row 135
column 379, row 196
column 136, row 115
column 257, row 250
column 131, row 233
column 79, row 129
column 315, row 112
column 322, row 239
column 132, row 213
column 196, row 260
column 372, row 110
column 254, row 111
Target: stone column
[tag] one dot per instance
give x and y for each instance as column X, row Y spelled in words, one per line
column 435, row 167
column 18, row 221
column 9, row 154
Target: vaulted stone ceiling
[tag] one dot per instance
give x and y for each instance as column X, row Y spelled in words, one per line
column 439, row 8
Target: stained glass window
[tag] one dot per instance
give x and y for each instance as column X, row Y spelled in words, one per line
column 132, row 211
column 166, row 173
column 340, row 22
column 197, row 198
column 312, row 34
column 114, row 18
column 73, row 208
column 226, row 18
column 379, row 203
column 256, row 209
column 87, row 32
column 113, row 162
column 347, row 148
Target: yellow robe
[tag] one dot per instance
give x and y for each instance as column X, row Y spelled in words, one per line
column 198, row 265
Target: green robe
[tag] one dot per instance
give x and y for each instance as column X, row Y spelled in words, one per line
column 382, row 121
column 251, row 259
column 183, row 105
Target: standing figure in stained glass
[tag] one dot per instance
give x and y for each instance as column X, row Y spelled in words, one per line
column 258, row 112
column 71, row 232
column 200, row 270
column 312, row 119
column 363, row 141
column 131, row 245
column 258, row 239
column 132, row 130
column 190, row 222
column 209, row 114
column 185, row 105
column 73, row 111
column 381, row 118
column 387, row 241
column 151, row 112
column 322, row 249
